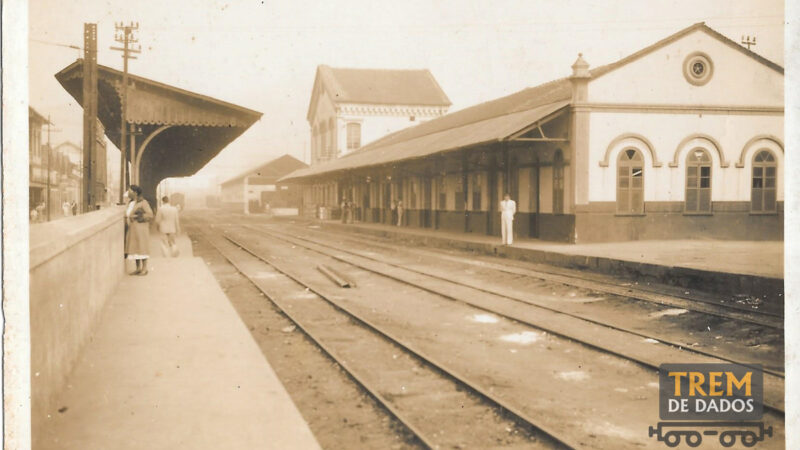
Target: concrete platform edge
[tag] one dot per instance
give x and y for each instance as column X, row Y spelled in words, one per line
column 689, row 278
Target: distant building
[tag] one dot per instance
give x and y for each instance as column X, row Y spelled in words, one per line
column 251, row 191
column 70, row 157
column 351, row 107
column 37, row 173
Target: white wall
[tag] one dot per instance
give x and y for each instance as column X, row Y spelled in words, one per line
column 376, row 121
column 379, row 124
column 657, row 78
column 665, row 132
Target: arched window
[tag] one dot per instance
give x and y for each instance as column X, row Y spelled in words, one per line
column 558, row 182
column 763, row 193
column 698, row 182
column 630, row 182
column 353, row 135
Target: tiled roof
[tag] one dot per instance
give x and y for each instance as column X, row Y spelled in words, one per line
column 382, row 86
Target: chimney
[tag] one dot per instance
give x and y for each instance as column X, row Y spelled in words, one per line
column 580, row 80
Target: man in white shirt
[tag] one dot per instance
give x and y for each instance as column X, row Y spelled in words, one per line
column 168, row 223
column 508, row 208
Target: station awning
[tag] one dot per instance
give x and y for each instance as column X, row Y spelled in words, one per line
column 486, row 131
column 177, row 130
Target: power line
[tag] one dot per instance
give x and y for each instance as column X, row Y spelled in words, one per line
column 56, row 44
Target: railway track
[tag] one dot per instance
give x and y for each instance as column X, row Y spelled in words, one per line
column 598, row 335
column 697, row 303
column 413, row 387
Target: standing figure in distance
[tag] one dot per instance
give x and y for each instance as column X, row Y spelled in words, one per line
column 345, row 208
column 399, row 213
column 41, row 212
column 66, row 208
column 508, row 208
column 168, row 221
column 137, row 242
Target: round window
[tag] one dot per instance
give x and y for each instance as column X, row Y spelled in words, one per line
column 697, row 68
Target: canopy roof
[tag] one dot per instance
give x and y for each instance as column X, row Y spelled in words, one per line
column 188, row 129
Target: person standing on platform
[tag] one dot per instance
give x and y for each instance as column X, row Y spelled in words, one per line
column 399, row 213
column 393, row 206
column 74, row 209
column 66, row 208
column 137, row 242
column 168, row 221
column 40, row 210
column 508, row 208
column 345, row 207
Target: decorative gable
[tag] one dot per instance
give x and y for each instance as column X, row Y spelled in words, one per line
column 699, row 67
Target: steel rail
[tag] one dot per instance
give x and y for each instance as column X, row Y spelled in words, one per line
column 598, row 347
column 587, row 318
column 513, row 411
column 638, row 293
column 399, row 416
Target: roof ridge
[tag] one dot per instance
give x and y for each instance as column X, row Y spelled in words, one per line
column 247, row 171
column 380, row 69
column 167, row 87
column 373, row 144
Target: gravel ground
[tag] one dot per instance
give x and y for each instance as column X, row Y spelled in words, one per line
column 339, row 413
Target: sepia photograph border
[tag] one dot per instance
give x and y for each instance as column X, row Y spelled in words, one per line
column 15, row 223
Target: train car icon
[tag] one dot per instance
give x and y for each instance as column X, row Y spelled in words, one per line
column 672, row 433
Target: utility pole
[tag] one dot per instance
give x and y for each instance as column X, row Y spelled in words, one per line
column 124, row 35
column 748, row 41
column 89, row 114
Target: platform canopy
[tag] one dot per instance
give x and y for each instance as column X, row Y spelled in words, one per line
column 176, row 132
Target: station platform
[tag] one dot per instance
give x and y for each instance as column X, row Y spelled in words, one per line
column 171, row 365
column 729, row 267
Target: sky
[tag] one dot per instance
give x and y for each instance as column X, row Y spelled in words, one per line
column 263, row 54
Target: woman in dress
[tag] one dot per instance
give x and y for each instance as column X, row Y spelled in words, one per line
column 137, row 243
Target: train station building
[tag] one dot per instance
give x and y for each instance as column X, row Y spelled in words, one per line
column 680, row 140
column 254, row 189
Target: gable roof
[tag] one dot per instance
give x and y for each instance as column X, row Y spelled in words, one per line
column 446, row 132
column 599, row 71
column 378, row 87
column 274, row 168
column 154, row 102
